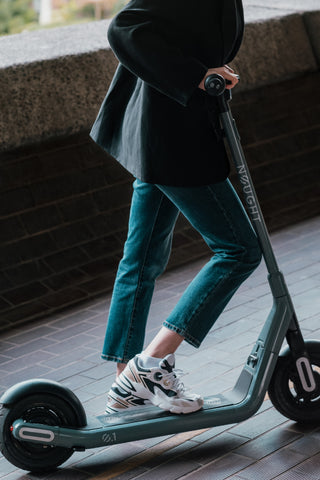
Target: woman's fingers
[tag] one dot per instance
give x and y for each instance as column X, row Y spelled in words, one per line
column 229, row 68
column 230, row 76
column 232, row 80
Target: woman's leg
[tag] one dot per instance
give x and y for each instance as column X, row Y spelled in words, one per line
column 145, row 256
column 217, row 213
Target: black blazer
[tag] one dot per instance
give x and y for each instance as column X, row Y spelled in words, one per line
column 155, row 120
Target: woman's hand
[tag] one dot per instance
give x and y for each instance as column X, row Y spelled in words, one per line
column 226, row 72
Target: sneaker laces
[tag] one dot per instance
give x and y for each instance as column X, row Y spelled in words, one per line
column 173, row 379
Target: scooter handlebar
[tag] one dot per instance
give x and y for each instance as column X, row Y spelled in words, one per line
column 215, row 84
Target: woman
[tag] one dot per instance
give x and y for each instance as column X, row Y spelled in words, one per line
column 160, row 124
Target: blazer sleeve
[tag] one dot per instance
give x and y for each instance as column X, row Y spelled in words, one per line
column 143, row 50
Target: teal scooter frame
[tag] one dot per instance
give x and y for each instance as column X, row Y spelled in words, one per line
column 37, row 414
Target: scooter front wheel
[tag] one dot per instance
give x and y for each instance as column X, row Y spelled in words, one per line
column 45, row 409
column 288, row 395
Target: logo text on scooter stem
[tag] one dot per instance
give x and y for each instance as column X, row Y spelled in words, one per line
column 249, row 196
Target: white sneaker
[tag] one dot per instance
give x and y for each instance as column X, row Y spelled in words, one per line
column 137, row 386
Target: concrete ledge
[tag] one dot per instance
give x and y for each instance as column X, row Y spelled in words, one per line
column 57, row 91
column 52, row 82
column 312, row 23
column 275, row 50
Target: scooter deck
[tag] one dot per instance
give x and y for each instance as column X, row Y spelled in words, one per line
column 128, row 426
column 151, row 412
column 231, row 407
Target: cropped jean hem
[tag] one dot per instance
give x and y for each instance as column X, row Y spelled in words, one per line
column 112, row 358
column 187, row 337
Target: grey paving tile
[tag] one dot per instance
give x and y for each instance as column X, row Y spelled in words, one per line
column 204, row 373
column 4, row 346
column 303, row 286
column 6, row 467
column 93, row 355
column 83, row 395
column 100, row 307
column 19, row 475
column 26, row 360
column 307, row 470
column 269, row 442
column 161, row 295
column 27, row 334
column 98, row 318
column 35, row 345
column 61, row 360
column 309, row 445
column 234, row 344
column 69, row 332
column 70, row 370
column 96, row 405
column 151, row 442
column 178, row 454
column 99, row 387
column 99, row 371
column 171, row 470
column 131, row 474
column 211, row 433
column 273, row 465
column 308, row 428
column 67, row 474
column 259, row 424
column 215, row 448
column 107, row 458
column 4, row 359
column 97, row 331
column 311, row 323
column 221, row 469
column 75, row 341
column 25, row 373
column 67, row 319
column 237, row 313
column 76, row 381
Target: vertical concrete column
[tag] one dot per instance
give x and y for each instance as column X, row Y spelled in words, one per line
column 45, row 12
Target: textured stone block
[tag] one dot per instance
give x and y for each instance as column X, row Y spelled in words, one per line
column 312, row 22
column 273, row 51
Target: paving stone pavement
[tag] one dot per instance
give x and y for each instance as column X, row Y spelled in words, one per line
column 66, row 347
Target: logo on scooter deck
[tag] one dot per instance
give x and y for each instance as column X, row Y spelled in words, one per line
column 213, row 402
column 109, row 438
column 248, row 193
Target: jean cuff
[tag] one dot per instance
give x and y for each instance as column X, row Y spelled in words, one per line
column 188, row 338
column 112, row 358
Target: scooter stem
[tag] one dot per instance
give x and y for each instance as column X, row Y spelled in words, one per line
column 253, row 206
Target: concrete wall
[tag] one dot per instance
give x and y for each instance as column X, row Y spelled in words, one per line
column 64, row 203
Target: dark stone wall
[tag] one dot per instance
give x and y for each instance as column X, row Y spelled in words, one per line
column 64, row 204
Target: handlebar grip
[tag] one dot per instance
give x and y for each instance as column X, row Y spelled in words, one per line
column 215, row 84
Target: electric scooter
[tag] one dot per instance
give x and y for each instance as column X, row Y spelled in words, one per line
column 42, row 422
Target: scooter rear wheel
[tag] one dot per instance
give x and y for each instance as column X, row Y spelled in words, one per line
column 45, row 409
column 287, row 394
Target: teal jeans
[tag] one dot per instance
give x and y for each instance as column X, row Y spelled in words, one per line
column 217, row 213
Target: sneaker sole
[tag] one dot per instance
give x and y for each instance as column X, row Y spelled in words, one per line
column 161, row 400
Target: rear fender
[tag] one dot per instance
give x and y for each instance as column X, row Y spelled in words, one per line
column 36, row 386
